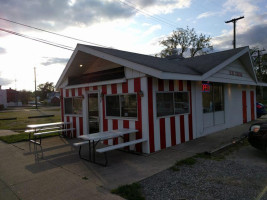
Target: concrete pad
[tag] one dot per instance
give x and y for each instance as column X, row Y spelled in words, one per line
column 55, row 171
column 6, row 192
column 8, row 132
column 26, row 177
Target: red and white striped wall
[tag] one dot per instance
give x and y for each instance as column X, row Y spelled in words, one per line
column 160, row 132
column 131, row 86
column 171, row 130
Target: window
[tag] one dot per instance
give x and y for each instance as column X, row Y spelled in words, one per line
column 214, row 99
column 128, row 105
column 171, row 103
column 164, row 104
column 181, row 102
column 73, row 105
column 68, row 105
column 121, row 105
column 113, row 105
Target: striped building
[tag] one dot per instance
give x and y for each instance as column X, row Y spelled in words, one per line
column 169, row 101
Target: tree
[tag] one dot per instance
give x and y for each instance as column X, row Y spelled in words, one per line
column 260, row 63
column 44, row 89
column 25, row 96
column 186, row 39
column 260, row 66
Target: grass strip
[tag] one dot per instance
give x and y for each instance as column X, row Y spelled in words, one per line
column 188, row 161
column 22, row 137
column 129, row 192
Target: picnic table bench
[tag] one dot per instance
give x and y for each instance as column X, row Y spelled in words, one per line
column 95, row 138
column 39, row 130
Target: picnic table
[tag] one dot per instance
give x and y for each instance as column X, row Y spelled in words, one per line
column 39, row 130
column 95, row 138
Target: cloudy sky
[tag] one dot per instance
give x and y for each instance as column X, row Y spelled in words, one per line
column 131, row 25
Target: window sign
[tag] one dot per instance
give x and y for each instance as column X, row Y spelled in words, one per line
column 205, row 87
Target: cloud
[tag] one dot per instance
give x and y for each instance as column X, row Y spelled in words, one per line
column 152, row 29
column 255, row 36
column 2, row 50
column 250, row 31
column 52, row 61
column 206, row 14
column 57, row 15
column 4, row 81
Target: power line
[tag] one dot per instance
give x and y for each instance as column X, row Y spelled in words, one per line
column 160, row 18
column 38, row 40
column 147, row 13
column 39, row 29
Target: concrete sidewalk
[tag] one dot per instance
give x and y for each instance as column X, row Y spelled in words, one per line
column 61, row 174
column 8, row 132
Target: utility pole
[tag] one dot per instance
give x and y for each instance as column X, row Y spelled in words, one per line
column 35, row 88
column 234, row 21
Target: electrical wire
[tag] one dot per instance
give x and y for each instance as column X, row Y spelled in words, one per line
column 38, row 40
column 161, row 18
column 39, row 29
column 147, row 14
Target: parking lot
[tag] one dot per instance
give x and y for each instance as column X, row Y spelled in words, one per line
column 240, row 175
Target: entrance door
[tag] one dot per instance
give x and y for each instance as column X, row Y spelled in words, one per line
column 93, row 113
column 244, row 106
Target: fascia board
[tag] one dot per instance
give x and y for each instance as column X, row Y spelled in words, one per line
column 233, row 81
column 66, row 68
column 177, row 76
column 224, row 64
column 138, row 67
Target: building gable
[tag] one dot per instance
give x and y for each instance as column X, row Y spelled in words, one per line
column 234, row 72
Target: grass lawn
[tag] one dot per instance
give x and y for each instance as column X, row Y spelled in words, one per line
column 22, row 115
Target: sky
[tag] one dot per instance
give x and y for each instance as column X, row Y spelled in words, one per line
column 130, row 25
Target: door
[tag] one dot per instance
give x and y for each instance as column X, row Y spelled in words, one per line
column 244, row 106
column 252, row 105
column 93, row 112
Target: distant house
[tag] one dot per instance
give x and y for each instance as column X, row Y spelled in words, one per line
column 53, row 98
column 13, row 98
column 169, row 100
column 3, row 97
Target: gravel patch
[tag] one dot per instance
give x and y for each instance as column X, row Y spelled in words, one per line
column 208, row 180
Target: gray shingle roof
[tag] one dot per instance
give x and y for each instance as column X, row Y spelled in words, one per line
column 194, row 66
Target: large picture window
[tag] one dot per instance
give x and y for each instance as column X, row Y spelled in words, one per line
column 171, row 103
column 121, row 105
column 213, row 100
column 73, row 105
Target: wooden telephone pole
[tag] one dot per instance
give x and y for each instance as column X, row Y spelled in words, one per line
column 234, row 21
column 35, row 88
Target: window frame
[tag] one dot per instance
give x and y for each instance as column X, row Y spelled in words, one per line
column 187, row 113
column 73, row 114
column 121, row 117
